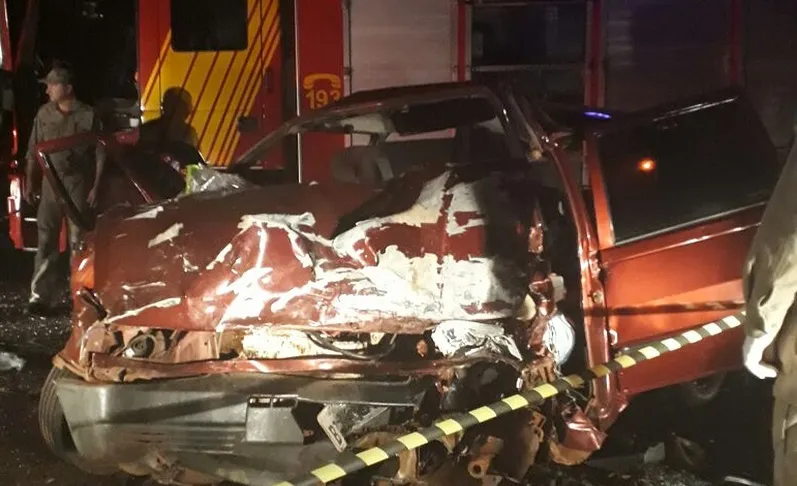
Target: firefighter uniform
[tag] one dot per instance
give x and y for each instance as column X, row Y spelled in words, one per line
column 76, row 169
column 770, row 288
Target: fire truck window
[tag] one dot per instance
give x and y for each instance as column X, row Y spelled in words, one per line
column 542, row 44
column 209, row 25
column 691, row 165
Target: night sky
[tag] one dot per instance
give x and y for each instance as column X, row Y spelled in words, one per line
column 97, row 37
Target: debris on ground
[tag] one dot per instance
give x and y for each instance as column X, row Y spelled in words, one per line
column 648, row 475
column 738, row 481
column 686, row 454
column 10, row 361
column 618, row 464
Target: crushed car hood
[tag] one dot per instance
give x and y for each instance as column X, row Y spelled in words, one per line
column 336, row 256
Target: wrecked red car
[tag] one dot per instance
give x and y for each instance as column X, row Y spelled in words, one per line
column 251, row 332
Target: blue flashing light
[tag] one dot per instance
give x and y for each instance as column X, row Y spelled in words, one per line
column 598, row 114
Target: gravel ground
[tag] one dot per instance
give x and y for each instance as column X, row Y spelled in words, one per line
column 24, row 459
column 731, row 434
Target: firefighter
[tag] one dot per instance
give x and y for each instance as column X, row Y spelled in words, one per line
column 770, row 288
column 80, row 170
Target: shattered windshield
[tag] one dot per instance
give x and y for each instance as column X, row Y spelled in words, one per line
column 383, row 140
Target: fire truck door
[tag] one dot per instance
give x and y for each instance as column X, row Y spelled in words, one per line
column 213, row 79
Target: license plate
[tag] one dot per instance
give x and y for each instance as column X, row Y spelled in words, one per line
column 326, row 419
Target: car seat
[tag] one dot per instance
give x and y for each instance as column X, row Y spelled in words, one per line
column 362, row 164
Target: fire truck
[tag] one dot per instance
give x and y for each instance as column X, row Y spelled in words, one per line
column 242, row 67
column 247, row 65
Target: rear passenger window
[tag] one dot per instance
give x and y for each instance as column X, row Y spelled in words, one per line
column 686, row 166
column 209, row 25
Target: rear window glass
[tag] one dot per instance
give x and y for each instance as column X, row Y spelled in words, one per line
column 686, row 167
column 209, row 25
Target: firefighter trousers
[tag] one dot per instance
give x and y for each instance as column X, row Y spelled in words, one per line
column 46, row 284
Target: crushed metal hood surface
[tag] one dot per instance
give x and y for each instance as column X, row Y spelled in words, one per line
column 334, row 256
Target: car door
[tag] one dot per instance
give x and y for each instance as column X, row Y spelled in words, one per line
column 130, row 177
column 678, row 192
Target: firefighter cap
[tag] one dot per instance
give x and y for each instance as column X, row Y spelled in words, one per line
column 58, row 75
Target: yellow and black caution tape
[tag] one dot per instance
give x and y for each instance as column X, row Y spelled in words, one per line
column 349, row 462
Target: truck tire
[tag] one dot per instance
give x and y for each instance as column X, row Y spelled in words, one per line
column 55, row 430
column 699, row 392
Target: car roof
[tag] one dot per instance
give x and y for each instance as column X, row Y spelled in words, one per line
column 394, row 95
column 375, row 99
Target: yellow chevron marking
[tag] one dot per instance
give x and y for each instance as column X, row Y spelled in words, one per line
column 172, row 70
column 223, row 124
column 154, row 76
column 254, row 87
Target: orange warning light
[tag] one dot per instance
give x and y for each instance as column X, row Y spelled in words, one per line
column 646, row 165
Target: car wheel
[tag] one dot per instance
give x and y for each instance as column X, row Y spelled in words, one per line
column 55, row 430
column 701, row 391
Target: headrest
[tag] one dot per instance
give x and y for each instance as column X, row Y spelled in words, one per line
column 361, row 164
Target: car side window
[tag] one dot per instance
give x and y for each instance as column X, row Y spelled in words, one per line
column 685, row 167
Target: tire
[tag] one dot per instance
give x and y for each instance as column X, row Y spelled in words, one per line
column 55, row 431
column 701, row 391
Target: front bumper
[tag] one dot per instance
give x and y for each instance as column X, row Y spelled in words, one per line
column 239, row 418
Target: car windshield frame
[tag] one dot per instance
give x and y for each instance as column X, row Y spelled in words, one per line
column 344, row 109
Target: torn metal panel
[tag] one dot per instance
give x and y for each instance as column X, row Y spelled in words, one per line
column 577, row 437
column 108, row 368
column 559, row 337
column 463, row 337
column 266, row 343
